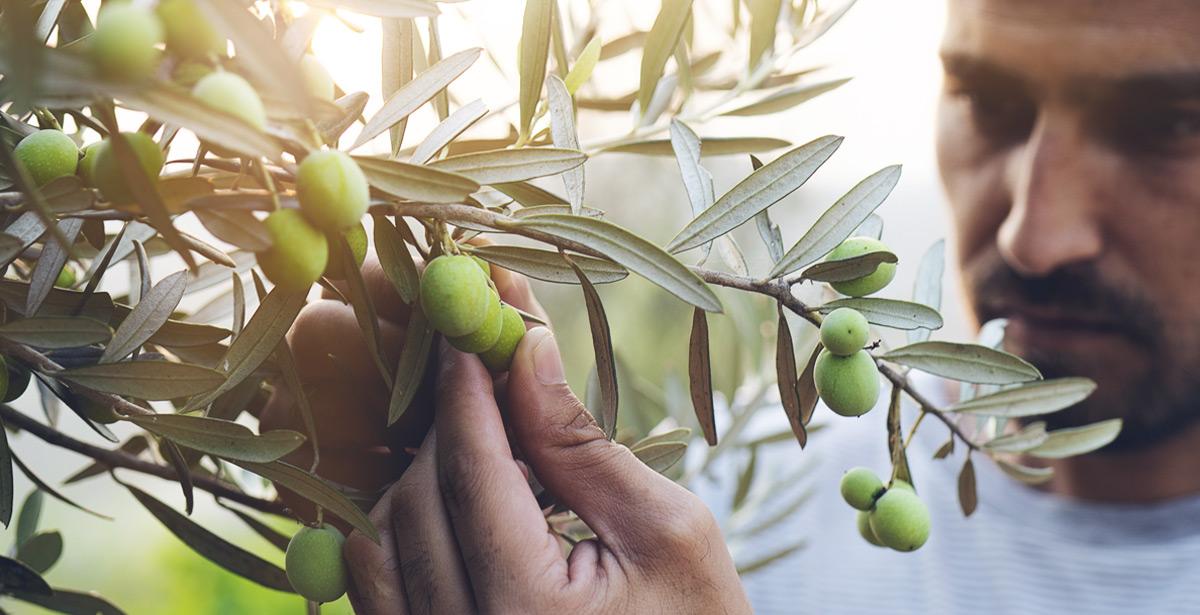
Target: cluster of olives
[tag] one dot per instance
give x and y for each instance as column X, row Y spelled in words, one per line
column 314, row 563
column 844, row 373
column 460, row 301
column 892, row 517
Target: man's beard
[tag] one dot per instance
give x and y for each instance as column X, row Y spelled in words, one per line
column 1156, row 400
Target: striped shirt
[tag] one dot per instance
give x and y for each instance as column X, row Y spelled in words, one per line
column 1022, row 552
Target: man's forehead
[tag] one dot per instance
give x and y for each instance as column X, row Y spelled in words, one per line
column 1055, row 40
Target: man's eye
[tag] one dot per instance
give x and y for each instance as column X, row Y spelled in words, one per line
column 1161, row 131
column 1000, row 116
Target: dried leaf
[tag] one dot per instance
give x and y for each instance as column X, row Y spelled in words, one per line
column 700, row 376
column 968, row 498
column 806, row 387
column 785, row 374
column 606, row 368
column 899, row 455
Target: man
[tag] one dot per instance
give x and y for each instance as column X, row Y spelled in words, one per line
column 1069, row 142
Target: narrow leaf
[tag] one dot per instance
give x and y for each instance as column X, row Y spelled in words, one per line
column 548, row 265
column 1073, row 441
column 927, row 289
column 151, row 312
column 806, row 387
column 839, row 220
column 661, row 456
column 785, row 374
column 511, row 165
column 629, row 250
column 395, row 260
column 968, row 498
column 847, row 268
column 150, row 380
column 315, row 490
column 563, row 134
column 412, row 95
column 6, row 479
column 1029, row 437
column 416, row 182
column 535, row 47
column 606, row 368
column 1026, row 474
column 17, row 577
column 786, row 98
column 712, row 146
column 660, row 45
column 450, row 128
column 700, row 376
column 889, row 312
column 1042, row 397
column 760, row 190
column 411, row 365
column 965, row 362
column 222, row 438
column 45, row 272
column 364, row 309
column 53, row 332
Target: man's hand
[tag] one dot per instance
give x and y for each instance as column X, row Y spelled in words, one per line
column 462, row 532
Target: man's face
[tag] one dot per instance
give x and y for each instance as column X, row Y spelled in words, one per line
column 1069, row 145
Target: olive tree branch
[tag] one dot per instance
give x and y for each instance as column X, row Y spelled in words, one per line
column 47, row 366
column 120, row 459
column 779, row 289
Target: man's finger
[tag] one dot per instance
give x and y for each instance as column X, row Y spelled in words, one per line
column 500, row 529
column 375, row 583
column 575, row 461
column 434, row 577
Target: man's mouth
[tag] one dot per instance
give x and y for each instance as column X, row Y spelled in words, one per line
column 1051, row 326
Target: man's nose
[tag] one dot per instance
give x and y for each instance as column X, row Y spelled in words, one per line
column 1054, row 220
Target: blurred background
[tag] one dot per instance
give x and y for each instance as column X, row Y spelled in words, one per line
column 886, row 113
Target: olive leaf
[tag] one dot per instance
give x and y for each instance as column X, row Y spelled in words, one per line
column 134, row 446
column 770, row 558
column 548, row 265
column 700, row 376
column 511, row 165
column 7, row 491
column 697, row 181
column 147, row 379
column 764, row 18
column 314, row 490
column 221, row 438
column 411, row 365
column 563, row 134
column 660, row 45
column 785, row 99
column 67, row 601
column 839, row 220
column 364, row 309
column 889, row 312
column 388, row 9
column 17, row 577
column 239, row 228
column 535, row 46
column 806, row 387
column 151, row 312
column 395, row 260
column 581, row 71
column 927, row 289
column 968, row 497
column 846, row 269
column 41, row 551
column 412, row 95
column 629, row 250
column 711, row 146
column 53, row 257
column 763, row 188
column 606, row 369
column 52, row 332
column 770, row 234
column 1025, row 474
column 411, row 181
column 277, row 539
column 183, row 472
column 448, row 130
column 785, row 375
column 43, row 486
column 660, row 456
column 528, row 194
column 1073, row 441
column 895, row 440
column 1030, row 399
column 1028, row 437
column 212, row 547
column 965, row 362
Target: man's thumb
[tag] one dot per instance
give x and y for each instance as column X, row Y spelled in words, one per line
column 567, row 450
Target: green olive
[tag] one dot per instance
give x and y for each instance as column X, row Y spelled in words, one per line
column 106, row 170
column 356, row 237
column 48, row 155
column 66, row 277
column 848, row 385
column 860, row 487
column 487, row 334
column 864, row 528
column 317, row 80
column 844, row 332
column 870, row 283
column 124, row 45
column 87, row 165
column 298, row 252
column 188, row 32
column 314, row 563
column 333, row 191
column 900, row 520
column 512, row 329
column 230, row 93
column 454, row 295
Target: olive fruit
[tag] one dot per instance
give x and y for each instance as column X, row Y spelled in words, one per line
column 848, row 385
column 317, row 80
column 844, row 331
column 106, row 170
column 860, row 487
column 900, row 520
column 454, row 295
column 97, row 412
column 314, row 563
column 87, row 164
column 332, row 190
column 864, row 528
column 66, row 277
column 298, row 252
column 230, row 93
column 487, row 334
column 124, row 43
column 16, row 379
column 356, row 237
column 47, row 154
column 189, row 72
column 189, row 34
column 512, row 329
column 870, row 283
column 484, row 266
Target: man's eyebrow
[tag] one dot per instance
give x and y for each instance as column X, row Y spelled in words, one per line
column 1177, row 85
column 968, row 67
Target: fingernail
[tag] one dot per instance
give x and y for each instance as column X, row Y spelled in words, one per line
column 547, row 365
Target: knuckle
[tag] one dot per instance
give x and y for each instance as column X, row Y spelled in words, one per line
column 461, row 478
column 686, row 525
